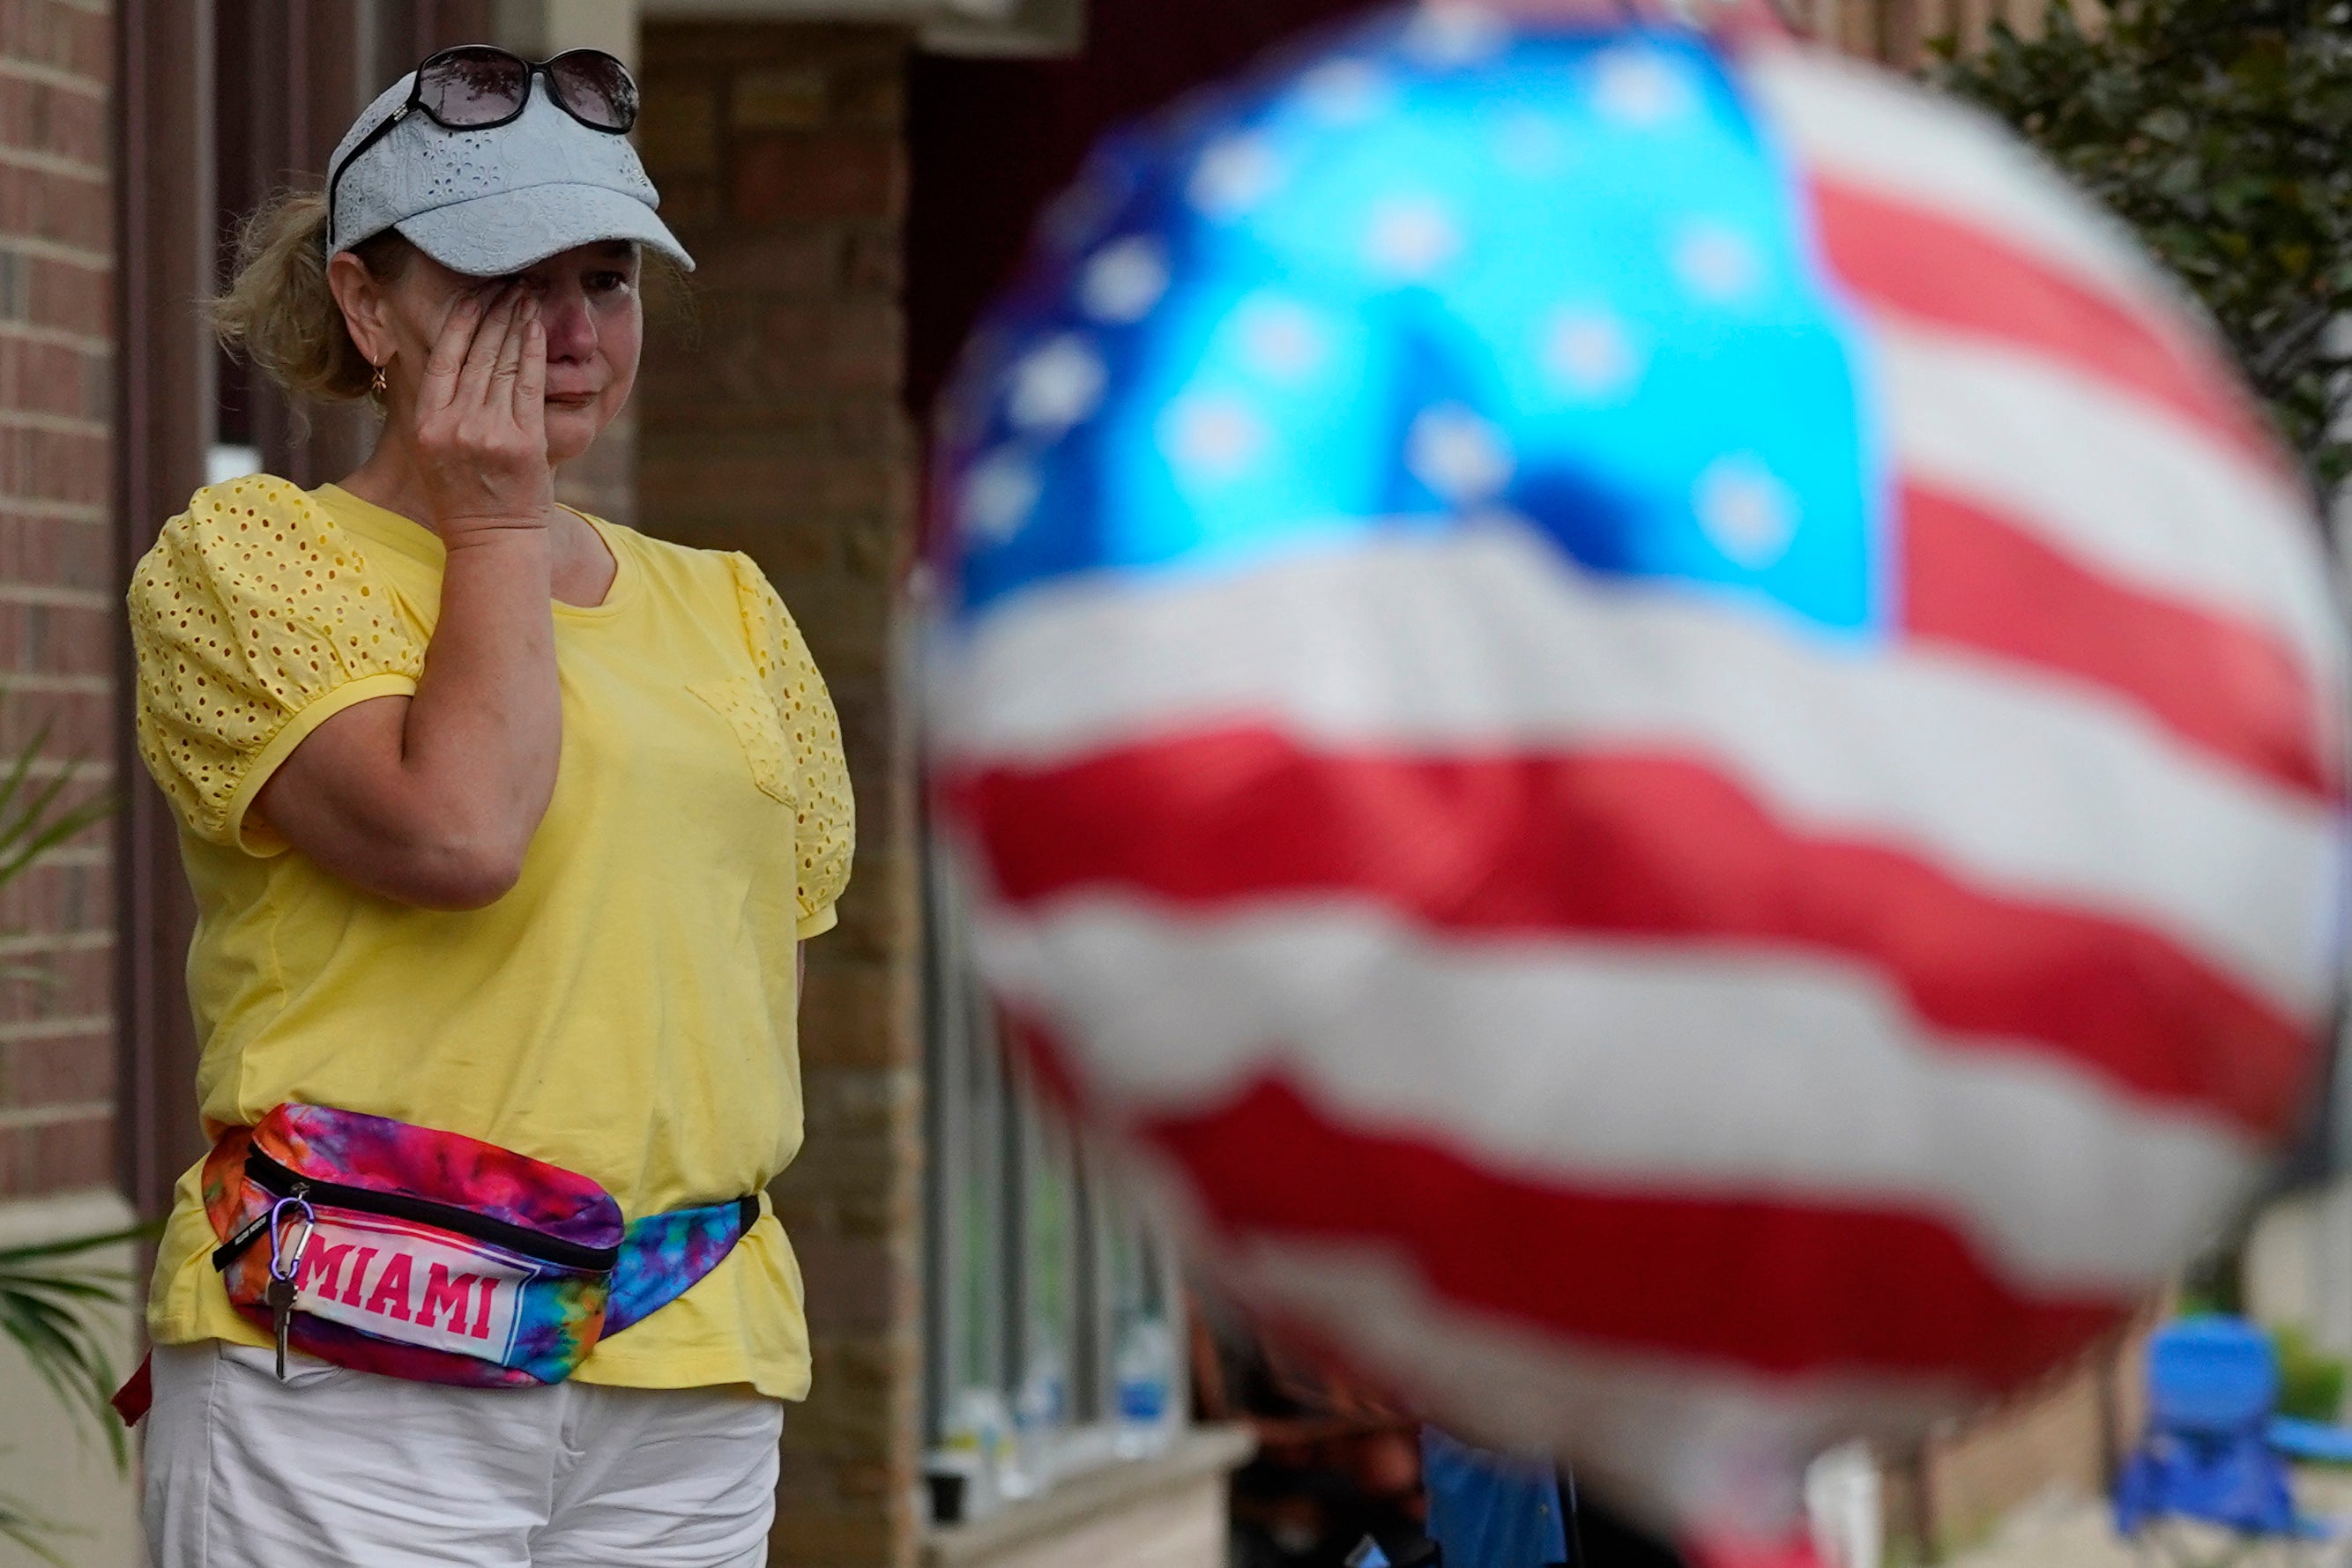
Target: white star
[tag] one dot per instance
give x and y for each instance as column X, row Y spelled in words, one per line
column 1719, row 262
column 1058, row 386
column 1454, row 33
column 1235, row 175
column 1591, row 354
column 1210, row 436
column 1747, row 512
column 1124, row 280
column 1411, row 237
column 1640, row 87
column 1282, row 338
column 1458, row 455
column 1345, row 91
column 998, row 496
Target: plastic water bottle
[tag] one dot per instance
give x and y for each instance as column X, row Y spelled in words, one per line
column 1146, row 1367
column 1038, row 1412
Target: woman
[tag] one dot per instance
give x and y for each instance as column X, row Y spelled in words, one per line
column 504, row 824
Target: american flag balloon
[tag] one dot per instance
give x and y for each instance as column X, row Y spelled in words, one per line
column 1653, row 724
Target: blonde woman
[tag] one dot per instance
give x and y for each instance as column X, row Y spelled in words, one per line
column 505, row 824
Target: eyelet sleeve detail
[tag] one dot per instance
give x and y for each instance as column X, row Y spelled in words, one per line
column 826, row 816
column 744, row 702
column 252, row 619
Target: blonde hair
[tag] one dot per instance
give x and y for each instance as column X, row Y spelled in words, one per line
column 279, row 313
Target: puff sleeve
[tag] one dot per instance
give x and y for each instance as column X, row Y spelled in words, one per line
column 253, row 621
column 827, row 829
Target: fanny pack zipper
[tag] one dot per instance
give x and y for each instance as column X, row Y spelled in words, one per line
column 521, row 1239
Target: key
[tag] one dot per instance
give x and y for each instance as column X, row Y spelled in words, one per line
column 278, row 1297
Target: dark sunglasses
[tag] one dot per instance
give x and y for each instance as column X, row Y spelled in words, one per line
column 480, row 86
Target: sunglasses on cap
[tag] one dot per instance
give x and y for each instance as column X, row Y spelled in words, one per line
column 480, row 86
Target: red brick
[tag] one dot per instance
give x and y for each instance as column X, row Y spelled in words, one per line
column 733, row 482
column 789, row 392
column 53, row 378
column 677, row 131
column 63, row 1156
column 856, row 1013
column 62, row 121
column 815, row 176
column 53, row 466
column 55, row 897
column 687, row 205
column 872, row 93
column 52, row 551
column 87, row 48
column 66, row 208
column 68, row 1070
column 76, row 39
column 67, row 294
column 80, row 724
column 56, row 639
column 878, row 262
column 854, row 1287
column 795, row 261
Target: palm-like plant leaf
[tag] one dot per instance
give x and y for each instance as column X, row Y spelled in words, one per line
column 53, row 1306
column 36, row 818
column 30, row 1530
column 55, row 1313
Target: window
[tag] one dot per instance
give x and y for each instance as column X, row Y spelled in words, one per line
column 1052, row 1335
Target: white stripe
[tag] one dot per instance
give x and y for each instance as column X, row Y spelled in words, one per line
column 1864, row 126
column 2126, row 487
column 1694, row 1068
column 1488, row 640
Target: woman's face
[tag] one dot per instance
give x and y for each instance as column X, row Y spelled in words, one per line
column 589, row 302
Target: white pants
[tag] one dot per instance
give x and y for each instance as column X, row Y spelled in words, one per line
column 334, row 1468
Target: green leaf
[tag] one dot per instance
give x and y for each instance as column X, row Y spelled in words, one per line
column 31, row 1531
column 2217, row 129
column 55, row 1311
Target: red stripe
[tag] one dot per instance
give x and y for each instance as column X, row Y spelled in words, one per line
column 1653, row 846
column 1774, row 1285
column 1970, row 579
column 1913, row 262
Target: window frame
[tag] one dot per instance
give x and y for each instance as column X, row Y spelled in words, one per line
column 995, row 1150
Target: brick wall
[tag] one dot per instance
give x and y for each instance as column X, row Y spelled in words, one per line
column 769, row 422
column 58, row 609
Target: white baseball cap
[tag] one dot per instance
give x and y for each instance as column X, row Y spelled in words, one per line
column 489, row 202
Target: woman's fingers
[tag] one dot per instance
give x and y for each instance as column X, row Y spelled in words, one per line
column 509, row 360
column 482, row 356
column 447, row 359
column 531, row 377
column 483, row 450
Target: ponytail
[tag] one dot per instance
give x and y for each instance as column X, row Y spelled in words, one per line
column 280, row 314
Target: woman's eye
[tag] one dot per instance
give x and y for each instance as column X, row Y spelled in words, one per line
column 606, row 282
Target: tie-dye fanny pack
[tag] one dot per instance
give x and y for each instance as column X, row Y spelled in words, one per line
column 399, row 1249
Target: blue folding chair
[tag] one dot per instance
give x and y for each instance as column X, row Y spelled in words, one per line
column 2210, row 1483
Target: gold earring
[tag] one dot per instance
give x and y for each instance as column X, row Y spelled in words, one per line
column 375, row 387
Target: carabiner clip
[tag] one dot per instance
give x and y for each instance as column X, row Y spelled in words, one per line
column 280, row 1266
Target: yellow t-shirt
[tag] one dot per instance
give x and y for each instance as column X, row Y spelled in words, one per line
column 626, row 1011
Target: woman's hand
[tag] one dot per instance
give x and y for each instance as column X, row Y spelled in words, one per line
column 480, row 435
column 432, row 799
